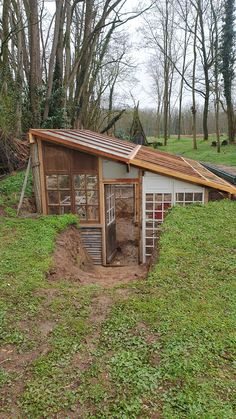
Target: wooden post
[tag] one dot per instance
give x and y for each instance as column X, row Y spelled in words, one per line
column 42, row 178
column 36, row 174
column 102, row 210
column 24, row 187
column 140, row 206
column 206, row 195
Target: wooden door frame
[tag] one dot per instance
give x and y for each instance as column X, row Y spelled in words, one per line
column 137, row 182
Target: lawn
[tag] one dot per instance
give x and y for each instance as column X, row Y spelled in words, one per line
column 204, row 153
column 162, row 347
column 10, row 190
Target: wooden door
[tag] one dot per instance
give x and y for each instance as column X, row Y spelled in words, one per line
column 110, row 222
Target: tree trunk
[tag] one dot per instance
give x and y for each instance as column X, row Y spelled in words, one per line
column 57, row 28
column 35, row 78
column 194, row 111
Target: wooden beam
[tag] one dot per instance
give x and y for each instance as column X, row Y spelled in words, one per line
column 120, row 181
column 42, row 177
column 206, row 195
column 102, row 209
column 24, row 187
column 181, row 176
column 134, row 152
column 36, row 175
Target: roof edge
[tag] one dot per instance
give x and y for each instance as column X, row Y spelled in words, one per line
column 181, row 176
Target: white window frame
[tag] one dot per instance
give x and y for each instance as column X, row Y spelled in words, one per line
column 110, row 205
column 153, row 183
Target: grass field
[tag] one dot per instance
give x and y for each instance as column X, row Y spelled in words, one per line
column 164, row 347
column 205, row 152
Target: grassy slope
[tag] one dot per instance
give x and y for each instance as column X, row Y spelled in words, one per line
column 27, row 301
column 10, row 190
column 204, row 153
column 170, row 348
column 165, row 348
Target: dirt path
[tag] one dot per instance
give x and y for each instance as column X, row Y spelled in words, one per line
column 70, row 264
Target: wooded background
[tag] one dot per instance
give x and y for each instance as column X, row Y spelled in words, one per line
column 66, row 68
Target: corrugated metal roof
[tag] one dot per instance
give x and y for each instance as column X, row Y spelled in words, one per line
column 89, row 141
column 140, row 156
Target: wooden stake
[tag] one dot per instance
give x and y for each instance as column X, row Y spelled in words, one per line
column 24, row 186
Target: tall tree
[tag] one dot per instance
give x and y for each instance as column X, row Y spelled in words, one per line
column 228, row 58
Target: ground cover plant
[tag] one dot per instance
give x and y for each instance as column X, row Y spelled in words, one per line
column 161, row 347
column 10, row 190
column 204, row 153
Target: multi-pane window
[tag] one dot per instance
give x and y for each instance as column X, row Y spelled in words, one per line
column 157, row 205
column 86, row 196
column 186, row 198
column 110, row 204
column 58, row 194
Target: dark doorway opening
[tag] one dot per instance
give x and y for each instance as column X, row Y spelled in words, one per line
column 122, row 228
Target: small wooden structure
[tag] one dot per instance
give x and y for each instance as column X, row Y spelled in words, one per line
column 121, row 191
column 137, row 133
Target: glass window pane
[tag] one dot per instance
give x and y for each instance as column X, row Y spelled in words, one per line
column 158, row 207
column 149, row 197
column 189, row 197
column 198, row 196
column 92, row 197
column 167, row 197
column 158, row 197
column 79, row 181
column 65, row 210
column 65, row 198
column 51, row 182
column 149, row 206
column 92, row 182
column 158, row 215
column 80, row 198
column 92, row 213
column 81, row 211
column 63, row 182
column 179, row 196
column 53, row 210
column 53, row 197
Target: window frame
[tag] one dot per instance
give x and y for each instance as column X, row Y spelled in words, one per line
column 110, row 205
column 86, row 191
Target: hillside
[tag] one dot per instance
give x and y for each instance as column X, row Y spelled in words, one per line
column 162, row 347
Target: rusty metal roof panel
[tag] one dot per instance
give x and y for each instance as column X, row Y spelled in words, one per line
column 140, row 156
column 89, row 141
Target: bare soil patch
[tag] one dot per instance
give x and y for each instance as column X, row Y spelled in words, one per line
column 70, row 257
column 71, row 262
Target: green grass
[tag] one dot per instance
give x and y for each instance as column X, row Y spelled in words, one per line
column 205, row 152
column 25, row 256
column 10, row 190
column 166, row 346
column 169, row 350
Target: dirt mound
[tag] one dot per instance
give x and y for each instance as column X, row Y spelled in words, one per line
column 71, row 262
column 70, row 257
